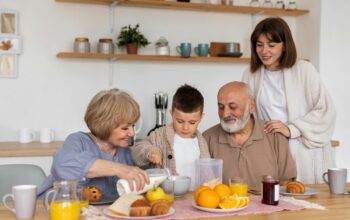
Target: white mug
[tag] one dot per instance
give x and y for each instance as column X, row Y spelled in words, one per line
column 46, row 135
column 26, row 135
column 24, row 201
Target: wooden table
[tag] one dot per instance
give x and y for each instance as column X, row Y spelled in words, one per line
column 338, row 208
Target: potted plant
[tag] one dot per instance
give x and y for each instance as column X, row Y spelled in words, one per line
column 132, row 38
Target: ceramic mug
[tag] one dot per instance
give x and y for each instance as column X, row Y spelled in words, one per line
column 26, row 135
column 24, row 201
column 46, row 135
column 184, row 49
column 202, row 50
column 336, row 180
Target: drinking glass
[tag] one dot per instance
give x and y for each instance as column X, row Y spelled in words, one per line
column 169, row 188
column 238, row 186
column 267, row 4
column 83, row 194
column 292, row 5
column 254, row 3
column 279, row 4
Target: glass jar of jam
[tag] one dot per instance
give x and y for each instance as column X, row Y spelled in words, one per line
column 270, row 190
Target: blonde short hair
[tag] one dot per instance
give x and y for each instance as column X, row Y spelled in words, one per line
column 109, row 109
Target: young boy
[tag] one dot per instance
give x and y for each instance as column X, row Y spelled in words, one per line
column 179, row 144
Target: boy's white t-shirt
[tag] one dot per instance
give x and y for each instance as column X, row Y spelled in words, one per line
column 186, row 152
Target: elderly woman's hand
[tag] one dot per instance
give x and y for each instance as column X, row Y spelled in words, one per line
column 131, row 173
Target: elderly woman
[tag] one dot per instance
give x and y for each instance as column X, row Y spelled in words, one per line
column 101, row 156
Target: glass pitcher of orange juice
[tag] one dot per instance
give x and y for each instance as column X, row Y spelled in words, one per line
column 62, row 201
column 238, row 186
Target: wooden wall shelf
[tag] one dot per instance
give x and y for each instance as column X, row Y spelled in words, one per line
column 194, row 6
column 33, row 149
column 151, row 57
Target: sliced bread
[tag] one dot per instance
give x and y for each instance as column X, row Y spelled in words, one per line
column 122, row 205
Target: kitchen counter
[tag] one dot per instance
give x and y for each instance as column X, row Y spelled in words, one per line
column 33, row 149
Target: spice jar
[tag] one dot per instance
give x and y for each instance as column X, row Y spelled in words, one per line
column 105, row 46
column 81, row 45
column 162, row 47
column 270, row 190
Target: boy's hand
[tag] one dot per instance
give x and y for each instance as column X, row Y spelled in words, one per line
column 155, row 157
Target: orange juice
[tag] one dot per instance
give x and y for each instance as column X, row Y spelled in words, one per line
column 84, row 204
column 169, row 197
column 65, row 210
column 241, row 189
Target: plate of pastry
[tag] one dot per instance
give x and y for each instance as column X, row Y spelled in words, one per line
column 217, row 210
column 130, row 206
column 297, row 189
column 111, row 214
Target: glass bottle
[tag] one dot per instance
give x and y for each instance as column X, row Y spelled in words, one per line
column 279, row 4
column 292, row 5
column 270, row 190
column 254, row 3
column 267, row 4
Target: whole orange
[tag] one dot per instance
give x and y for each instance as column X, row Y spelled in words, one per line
column 198, row 191
column 208, row 198
column 222, row 190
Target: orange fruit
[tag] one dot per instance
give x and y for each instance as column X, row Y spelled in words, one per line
column 222, row 190
column 243, row 201
column 229, row 203
column 208, row 198
column 198, row 191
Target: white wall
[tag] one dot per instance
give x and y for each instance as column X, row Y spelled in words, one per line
column 334, row 57
column 52, row 92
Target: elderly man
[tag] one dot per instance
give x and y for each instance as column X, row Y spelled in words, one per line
column 240, row 140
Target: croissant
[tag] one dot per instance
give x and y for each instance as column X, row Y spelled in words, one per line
column 295, row 187
column 160, row 207
column 140, row 208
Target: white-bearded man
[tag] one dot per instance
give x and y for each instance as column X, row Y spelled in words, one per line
column 247, row 150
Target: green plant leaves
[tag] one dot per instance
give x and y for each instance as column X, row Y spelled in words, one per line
column 132, row 35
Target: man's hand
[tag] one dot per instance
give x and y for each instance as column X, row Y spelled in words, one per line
column 275, row 126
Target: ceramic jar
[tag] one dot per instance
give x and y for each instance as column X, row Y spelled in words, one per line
column 81, row 45
column 105, row 46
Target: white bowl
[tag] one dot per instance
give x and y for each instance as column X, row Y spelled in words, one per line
column 181, row 186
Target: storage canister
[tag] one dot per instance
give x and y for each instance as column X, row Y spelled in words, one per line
column 81, row 45
column 162, row 47
column 105, row 46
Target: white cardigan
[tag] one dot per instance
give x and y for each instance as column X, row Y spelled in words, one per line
column 311, row 118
